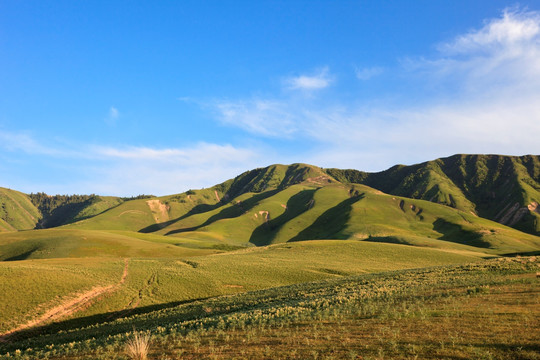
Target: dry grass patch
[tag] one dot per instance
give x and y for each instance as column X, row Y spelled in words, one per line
column 137, row 347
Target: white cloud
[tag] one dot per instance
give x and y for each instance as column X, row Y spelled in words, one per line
column 112, row 116
column 489, row 82
column 513, row 29
column 136, row 170
column 501, row 57
column 319, row 80
column 368, row 73
column 264, row 117
column 123, row 171
column 201, row 152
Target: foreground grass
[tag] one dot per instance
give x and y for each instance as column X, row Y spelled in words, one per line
column 44, row 283
column 484, row 310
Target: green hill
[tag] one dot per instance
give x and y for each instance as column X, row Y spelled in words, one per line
column 279, row 204
column 84, row 261
column 505, row 189
column 17, row 211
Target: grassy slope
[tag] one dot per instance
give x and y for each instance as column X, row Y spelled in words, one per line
column 161, row 281
column 487, row 185
column 65, row 243
column 308, row 211
column 17, row 211
column 183, row 209
column 102, row 204
column 486, row 310
column 38, row 285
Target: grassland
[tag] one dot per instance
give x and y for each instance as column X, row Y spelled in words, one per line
column 45, row 283
column 483, row 310
column 295, row 250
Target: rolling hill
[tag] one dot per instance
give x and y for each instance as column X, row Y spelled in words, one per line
column 505, row 189
column 442, row 203
column 85, row 261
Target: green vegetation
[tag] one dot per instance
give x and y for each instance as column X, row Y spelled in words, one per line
column 501, row 188
column 438, row 312
column 275, row 261
column 64, row 209
column 17, row 211
column 172, row 274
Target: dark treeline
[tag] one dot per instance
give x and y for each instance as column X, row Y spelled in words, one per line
column 56, row 209
column 142, row 196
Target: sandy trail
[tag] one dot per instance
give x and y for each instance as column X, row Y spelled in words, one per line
column 70, row 306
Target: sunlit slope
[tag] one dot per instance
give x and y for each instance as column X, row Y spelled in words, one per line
column 162, row 282
column 17, row 211
column 62, row 243
column 57, row 210
column 150, row 215
column 307, row 211
column 501, row 188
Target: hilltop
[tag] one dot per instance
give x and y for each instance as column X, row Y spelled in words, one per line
column 486, row 202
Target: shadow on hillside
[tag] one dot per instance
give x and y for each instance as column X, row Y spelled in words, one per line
column 51, row 331
column 296, row 205
column 197, row 209
column 331, row 223
column 22, row 256
column 527, row 253
column 231, row 212
column 455, row 233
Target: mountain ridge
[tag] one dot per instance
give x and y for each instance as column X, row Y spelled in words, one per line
column 496, row 187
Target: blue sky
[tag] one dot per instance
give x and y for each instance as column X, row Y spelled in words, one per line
column 132, row 97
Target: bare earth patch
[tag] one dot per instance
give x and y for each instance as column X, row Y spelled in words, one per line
column 159, row 210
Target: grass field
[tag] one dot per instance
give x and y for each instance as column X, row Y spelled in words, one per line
column 45, row 283
column 484, row 310
column 279, row 262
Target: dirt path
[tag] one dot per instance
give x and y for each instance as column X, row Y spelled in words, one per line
column 71, row 306
column 135, row 301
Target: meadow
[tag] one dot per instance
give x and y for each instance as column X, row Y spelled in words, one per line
column 487, row 309
column 281, row 262
column 42, row 284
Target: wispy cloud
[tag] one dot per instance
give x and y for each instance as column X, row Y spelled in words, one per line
column 112, row 116
column 514, row 29
column 198, row 153
column 26, row 143
column 368, row 73
column 123, row 170
column 259, row 116
column 320, row 80
column 135, row 170
column 114, row 113
column 503, row 56
column 488, row 103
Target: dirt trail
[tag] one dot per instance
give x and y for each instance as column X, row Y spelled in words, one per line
column 71, row 306
column 135, row 301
